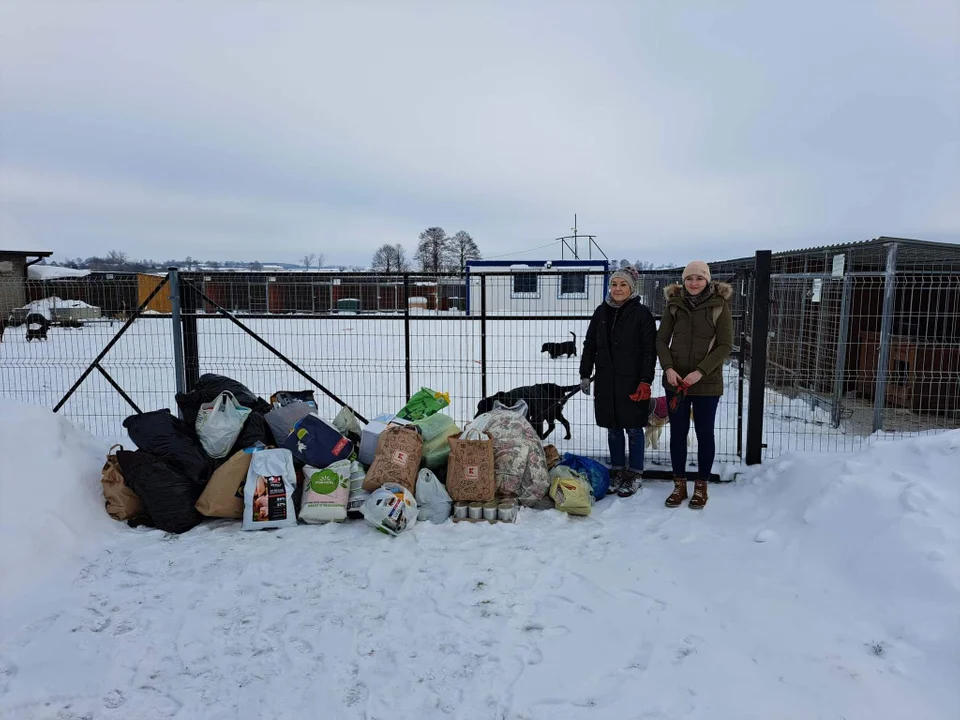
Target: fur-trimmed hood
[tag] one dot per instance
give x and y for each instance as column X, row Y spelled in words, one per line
column 721, row 289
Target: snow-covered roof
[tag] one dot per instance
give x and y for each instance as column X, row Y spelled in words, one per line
column 52, row 272
column 44, row 307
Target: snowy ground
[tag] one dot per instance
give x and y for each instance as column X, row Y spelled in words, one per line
column 812, row 587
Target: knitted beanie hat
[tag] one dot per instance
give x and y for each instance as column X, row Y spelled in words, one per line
column 697, row 267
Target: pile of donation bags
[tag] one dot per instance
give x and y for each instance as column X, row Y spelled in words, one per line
column 269, row 463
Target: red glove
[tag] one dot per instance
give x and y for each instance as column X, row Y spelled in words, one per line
column 682, row 388
column 642, row 393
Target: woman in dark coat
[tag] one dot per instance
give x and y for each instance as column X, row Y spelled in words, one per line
column 621, row 345
column 694, row 340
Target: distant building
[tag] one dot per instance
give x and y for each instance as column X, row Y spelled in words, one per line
column 13, row 272
column 536, row 287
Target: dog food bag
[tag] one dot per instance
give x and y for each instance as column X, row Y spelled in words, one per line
column 470, row 468
column 317, row 443
column 268, row 493
column 571, row 491
column 325, row 493
column 357, row 494
column 398, row 458
column 391, row 509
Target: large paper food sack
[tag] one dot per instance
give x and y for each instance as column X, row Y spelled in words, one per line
column 122, row 502
column 223, row 495
column 325, row 493
column 268, row 493
column 398, row 458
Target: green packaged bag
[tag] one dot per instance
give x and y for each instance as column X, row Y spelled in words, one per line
column 424, row 403
column 435, row 430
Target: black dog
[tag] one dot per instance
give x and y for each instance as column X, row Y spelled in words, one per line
column 556, row 349
column 544, row 403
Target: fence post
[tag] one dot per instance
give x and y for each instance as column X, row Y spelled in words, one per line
column 406, row 330
column 841, row 364
column 886, row 328
column 758, row 351
column 483, row 335
column 189, row 305
column 177, row 328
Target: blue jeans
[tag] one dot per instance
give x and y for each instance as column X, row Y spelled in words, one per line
column 704, row 419
column 618, row 448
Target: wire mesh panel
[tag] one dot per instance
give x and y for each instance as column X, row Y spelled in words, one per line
column 370, row 339
column 846, row 367
column 54, row 330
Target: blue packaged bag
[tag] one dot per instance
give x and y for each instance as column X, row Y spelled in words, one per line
column 597, row 473
column 317, row 443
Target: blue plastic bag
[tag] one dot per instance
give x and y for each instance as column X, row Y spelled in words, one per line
column 597, row 473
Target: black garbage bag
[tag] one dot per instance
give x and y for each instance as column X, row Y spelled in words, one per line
column 255, row 430
column 168, row 496
column 164, row 435
column 208, row 388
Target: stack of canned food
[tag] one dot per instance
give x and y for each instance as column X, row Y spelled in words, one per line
column 503, row 510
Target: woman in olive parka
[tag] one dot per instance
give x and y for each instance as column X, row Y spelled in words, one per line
column 694, row 340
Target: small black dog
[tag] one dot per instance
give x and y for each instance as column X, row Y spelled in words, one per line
column 544, row 403
column 556, row 349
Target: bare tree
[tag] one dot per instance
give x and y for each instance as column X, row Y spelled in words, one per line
column 389, row 258
column 400, row 255
column 307, row 260
column 462, row 250
column 117, row 258
column 321, row 260
column 433, row 250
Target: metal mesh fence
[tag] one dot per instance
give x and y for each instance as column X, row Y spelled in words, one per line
column 859, row 358
column 371, row 339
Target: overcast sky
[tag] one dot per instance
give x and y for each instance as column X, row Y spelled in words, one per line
column 264, row 129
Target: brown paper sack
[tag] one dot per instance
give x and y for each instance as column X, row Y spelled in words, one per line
column 470, row 475
column 122, row 502
column 553, row 456
column 399, row 451
column 223, row 495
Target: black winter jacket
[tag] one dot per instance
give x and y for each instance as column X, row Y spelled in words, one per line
column 623, row 350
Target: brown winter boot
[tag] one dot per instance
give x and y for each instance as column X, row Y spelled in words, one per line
column 679, row 493
column 699, row 498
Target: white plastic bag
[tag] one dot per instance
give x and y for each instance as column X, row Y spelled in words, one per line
column 219, row 424
column 268, row 491
column 325, row 493
column 433, row 499
column 391, row 508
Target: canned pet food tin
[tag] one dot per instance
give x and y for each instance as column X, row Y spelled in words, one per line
column 507, row 512
column 490, row 511
column 475, row 511
column 460, row 510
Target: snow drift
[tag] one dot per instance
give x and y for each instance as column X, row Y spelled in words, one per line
column 51, row 503
column 813, row 586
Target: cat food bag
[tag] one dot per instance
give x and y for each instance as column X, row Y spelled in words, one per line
column 325, row 493
column 268, row 493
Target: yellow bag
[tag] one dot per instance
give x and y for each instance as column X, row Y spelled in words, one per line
column 571, row 491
